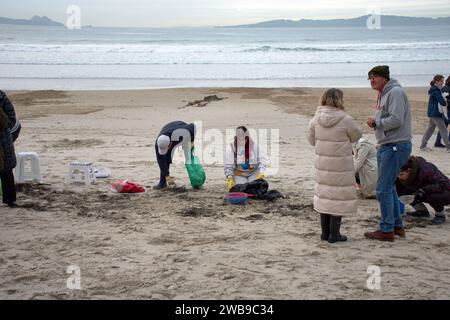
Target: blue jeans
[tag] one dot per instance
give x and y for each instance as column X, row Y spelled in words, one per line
column 391, row 157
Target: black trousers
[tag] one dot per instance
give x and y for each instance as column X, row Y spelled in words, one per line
column 8, row 187
column 436, row 200
column 164, row 163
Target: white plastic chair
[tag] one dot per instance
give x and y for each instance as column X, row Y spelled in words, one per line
column 34, row 174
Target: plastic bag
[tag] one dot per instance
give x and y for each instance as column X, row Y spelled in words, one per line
column 195, row 171
column 126, row 186
column 102, row 172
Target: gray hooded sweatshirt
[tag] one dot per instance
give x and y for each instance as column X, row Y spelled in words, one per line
column 393, row 119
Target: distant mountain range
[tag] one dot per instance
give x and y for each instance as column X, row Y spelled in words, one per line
column 386, row 20
column 34, row 21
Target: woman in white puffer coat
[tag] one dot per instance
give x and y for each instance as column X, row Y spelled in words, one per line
column 332, row 132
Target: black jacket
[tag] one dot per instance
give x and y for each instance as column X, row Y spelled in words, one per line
column 7, row 152
column 164, row 161
column 6, row 138
column 425, row 175
column 8, row 108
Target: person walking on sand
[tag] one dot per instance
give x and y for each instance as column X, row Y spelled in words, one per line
column 332, row 132
column 446, row 94
column 436, row 118
column 365, row 155
column 245, row 160
column 171, row 136
column 392, row 125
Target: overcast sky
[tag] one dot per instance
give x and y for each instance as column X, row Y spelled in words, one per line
column 170, row 13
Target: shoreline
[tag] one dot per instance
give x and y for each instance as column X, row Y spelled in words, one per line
column 202, row 85
column 205, row 88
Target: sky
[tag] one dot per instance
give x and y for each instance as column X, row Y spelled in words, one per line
column 198, row 13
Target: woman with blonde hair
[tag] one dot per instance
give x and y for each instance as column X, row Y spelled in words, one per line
column 332, row 132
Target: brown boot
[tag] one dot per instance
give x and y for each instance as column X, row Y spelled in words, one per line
column 378, row 235
column 400, row 231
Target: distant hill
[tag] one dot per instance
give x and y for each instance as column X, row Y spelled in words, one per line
column 35, row 21
column 353, row 22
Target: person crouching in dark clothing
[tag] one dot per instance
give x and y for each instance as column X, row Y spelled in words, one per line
column 171, row 136
column 7, row 162
column 428, row 184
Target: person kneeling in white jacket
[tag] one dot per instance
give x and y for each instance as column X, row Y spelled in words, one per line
column 245, row 161
column 365, row 156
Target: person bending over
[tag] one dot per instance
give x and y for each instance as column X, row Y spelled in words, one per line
column 428, row 184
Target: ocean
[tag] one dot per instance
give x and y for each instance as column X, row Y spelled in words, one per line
column 36, row 57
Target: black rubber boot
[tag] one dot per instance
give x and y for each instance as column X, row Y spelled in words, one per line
column 325, row 224
column 14, row 205
column 335, row 226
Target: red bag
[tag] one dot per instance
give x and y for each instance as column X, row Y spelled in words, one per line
column 126, row 186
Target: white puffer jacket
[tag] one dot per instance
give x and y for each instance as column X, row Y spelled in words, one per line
column 332, row 132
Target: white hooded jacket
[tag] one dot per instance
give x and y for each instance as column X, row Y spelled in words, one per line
column 366, row 166
column 332, row 132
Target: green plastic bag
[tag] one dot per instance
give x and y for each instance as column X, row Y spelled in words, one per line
column 195, row 171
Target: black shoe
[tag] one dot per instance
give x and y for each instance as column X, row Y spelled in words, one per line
column 159, row 186
column 438, row 220
column 335, row 234
column 13, row 205
column 418, row 214
column 325, row 224
column 439, row 145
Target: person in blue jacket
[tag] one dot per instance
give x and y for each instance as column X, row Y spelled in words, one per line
column 171, row 136
column 436, row 118
column 446, row 93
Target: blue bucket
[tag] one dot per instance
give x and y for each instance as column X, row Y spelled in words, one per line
column 402, row 207
column 236, row 197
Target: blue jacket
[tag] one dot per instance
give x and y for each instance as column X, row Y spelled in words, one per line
column 435, row 98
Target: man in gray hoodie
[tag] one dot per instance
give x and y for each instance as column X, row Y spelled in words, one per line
column 392, row 125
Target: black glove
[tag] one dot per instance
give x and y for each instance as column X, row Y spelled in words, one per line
column 420, row 193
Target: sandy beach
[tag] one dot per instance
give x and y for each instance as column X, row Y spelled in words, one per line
column 190, row 244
